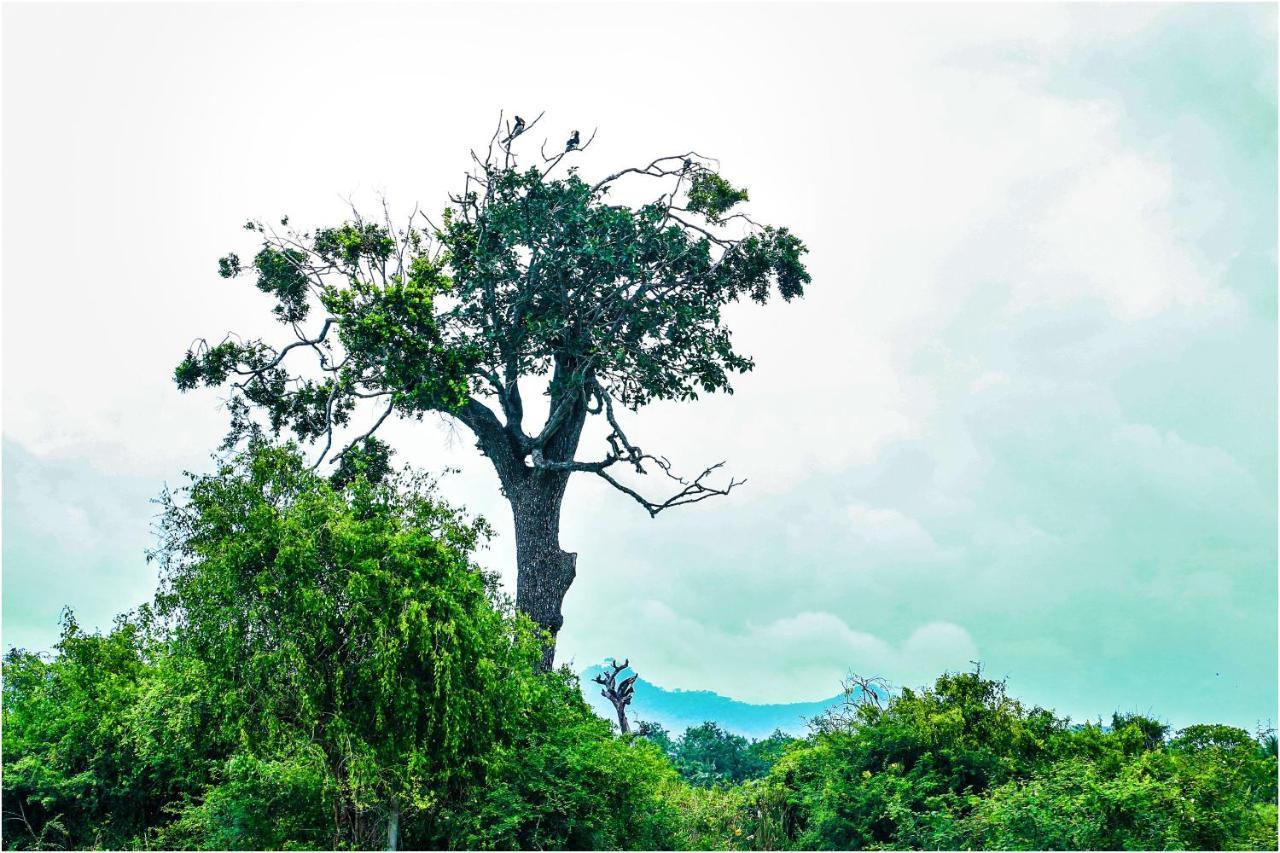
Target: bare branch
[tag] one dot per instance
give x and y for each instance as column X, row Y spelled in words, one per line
column 657, row 168
column 328, row 424
column 691, row 491
column 303, row 342
column 859, row 694
column 390, row 407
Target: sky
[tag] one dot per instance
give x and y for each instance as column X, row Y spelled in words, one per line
column 1026, row 413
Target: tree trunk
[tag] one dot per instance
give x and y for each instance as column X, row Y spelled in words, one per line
column 543, row 571
column 393, row 826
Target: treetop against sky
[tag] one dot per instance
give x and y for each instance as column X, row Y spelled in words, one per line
column 1025, row 414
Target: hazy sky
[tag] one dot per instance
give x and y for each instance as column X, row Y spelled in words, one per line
column 1026, row 414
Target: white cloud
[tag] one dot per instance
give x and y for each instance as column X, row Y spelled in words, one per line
column 989, row 379
column 888, row 528
column 795, row 658
column 1179, row 467
column 1108, row 234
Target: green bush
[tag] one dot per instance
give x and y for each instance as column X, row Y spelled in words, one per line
column 1164, row 800
column 100, row 740
column 324, row 662
column 322, row 657
column 566, row 782
column 963, row 766
column 284, row 803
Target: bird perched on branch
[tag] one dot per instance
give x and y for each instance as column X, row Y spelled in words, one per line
column 516, row 129
column 572, row 143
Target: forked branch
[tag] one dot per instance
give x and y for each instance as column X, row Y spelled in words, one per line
column 690, row 492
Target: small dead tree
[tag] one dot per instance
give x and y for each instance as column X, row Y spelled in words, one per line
column 619, row 694
column 857, row 693
column 860, row 690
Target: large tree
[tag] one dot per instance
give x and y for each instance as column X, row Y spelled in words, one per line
column 605, row 295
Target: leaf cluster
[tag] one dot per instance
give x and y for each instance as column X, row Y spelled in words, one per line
column 528, row 275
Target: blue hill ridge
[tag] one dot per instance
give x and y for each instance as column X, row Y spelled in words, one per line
column 677, row 710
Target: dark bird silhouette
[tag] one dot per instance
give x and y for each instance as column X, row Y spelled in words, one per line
column 688, row 164
column 572, row 143
column 516, row 129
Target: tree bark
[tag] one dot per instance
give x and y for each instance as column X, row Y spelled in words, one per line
column 544, row 571
column 393, row 826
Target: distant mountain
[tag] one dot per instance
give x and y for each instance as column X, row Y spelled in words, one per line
column 677, row 710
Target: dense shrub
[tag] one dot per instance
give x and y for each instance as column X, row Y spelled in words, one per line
column 325, row 667
column 961, row 765
column 81, row 763
column 323, row 662
column 566, row 782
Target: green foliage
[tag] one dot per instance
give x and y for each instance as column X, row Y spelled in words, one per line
column 875, row 780
column 1151, row 732
column 713, row 196
column 706, row 755
column 961, row 765
column 592, row 289
column 212, row 366
column 318, row 657
column 766, row 752
column 307, row 407
column 280, row 273
column 656, row 734
column 370, row 459
column 722, row 817
column 391, row 331
column 124, row 741
column 352, row 242
column 324, row 654
column 525, row 275
column 350, row 620
column 100, row 739
column 1162, row 800
column 282, row 803
column 567, row 783
column 229, row 265
column 709, row 755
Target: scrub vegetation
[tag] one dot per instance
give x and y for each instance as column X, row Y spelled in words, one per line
column 325, row 666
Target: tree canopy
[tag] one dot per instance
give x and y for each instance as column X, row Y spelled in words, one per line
column 531, row 271
column 532, row 274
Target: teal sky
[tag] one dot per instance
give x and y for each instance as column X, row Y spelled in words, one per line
column 1027, row 414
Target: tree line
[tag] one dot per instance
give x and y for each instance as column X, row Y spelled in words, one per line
column 325, row 667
